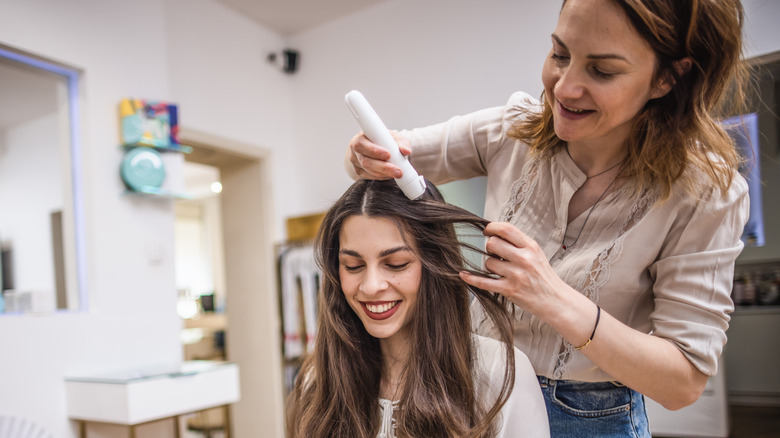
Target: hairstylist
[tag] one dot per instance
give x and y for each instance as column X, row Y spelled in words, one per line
column 618, row 203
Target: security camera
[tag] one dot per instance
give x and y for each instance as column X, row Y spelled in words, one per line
column 289, row 60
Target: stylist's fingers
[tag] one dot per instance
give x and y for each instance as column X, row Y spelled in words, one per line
column 403, row 143
column 369, row 160
column 486, row 283
column 509, row 234
column 507, row 243
column 520, row 269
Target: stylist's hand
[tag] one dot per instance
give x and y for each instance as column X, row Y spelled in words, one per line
column 525, row 277
column 368, row 160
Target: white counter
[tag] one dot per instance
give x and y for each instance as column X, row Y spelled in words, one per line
column 138, row 396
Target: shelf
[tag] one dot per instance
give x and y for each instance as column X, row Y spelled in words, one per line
column 208, row 320
column 154, row 192
column 172, row 147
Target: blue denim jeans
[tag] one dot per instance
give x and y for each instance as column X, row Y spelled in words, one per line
column 594, row 409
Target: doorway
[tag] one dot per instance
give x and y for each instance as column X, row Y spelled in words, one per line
column 251, row 320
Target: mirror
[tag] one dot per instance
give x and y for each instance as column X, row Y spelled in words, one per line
column 764, row 104
column 42, row 267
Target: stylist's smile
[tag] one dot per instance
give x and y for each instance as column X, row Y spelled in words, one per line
column 380, row 309
column 574, row 110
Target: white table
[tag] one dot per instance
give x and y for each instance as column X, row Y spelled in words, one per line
column 136, row 397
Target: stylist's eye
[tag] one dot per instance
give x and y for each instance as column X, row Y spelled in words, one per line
column 558, row 58
column 602, row 75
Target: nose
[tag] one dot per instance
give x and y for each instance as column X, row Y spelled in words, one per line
column 570, row 84
column 373, row 281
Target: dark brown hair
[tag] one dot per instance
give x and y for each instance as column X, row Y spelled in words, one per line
column 679, row 130
column 337, row 389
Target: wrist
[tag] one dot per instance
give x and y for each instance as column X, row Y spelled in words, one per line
column 575, row 320
column 593, row 332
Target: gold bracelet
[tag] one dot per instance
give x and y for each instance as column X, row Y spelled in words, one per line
column 598, row 316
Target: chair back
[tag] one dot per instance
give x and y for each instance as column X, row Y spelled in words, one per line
column 15, row 427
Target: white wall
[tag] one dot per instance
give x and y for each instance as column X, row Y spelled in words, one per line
column 761, row 32
column 224, row 86
column 417, row 63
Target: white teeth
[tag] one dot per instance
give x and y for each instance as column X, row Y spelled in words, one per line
column 381, row 308
column 576, row 111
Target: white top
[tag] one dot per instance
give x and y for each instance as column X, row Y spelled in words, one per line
column 664, row 269
column 523, row 415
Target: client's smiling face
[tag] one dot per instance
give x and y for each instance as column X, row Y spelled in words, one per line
column 380, row 274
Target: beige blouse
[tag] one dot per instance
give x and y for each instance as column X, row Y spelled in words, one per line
column 664, row 269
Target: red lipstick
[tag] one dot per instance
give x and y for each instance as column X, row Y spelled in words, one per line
column 380, row 316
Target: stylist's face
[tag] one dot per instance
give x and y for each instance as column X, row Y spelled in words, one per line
column 380, row 275
column 599, row 73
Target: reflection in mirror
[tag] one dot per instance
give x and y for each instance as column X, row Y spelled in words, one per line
column 42, row 265
column 763, row 161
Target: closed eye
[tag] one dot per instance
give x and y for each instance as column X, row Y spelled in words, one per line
column 353, row 268
column 555, row 57
column 400, row 267
column 602, row 75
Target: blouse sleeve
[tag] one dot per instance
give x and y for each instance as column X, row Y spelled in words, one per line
column 463, row 146
column 694, row 274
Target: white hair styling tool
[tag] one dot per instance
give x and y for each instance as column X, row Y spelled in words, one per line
column 412, row 184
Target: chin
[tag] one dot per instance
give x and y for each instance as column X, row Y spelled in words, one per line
column 563, row 136
column 382, row 332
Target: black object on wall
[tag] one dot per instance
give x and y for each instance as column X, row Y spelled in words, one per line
column 289, row 60
column 6, row 259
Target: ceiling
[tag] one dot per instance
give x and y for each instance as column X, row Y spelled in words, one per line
column 289, row 17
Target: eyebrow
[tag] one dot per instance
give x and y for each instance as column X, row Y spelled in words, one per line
column 383, row 253
column 596, row 56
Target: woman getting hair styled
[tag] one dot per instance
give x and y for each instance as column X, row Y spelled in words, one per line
column 394, row 354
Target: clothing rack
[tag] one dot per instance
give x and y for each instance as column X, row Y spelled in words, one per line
column 299, row 281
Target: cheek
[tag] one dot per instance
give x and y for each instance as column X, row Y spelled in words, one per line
column 411, row 282
column 628, row 108
column 348, row 284
column 549, row 77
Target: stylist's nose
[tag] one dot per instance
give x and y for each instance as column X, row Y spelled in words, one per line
column 570, row 84
column 373, row 282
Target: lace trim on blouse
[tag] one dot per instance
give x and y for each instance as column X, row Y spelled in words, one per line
column 590, row 284
column 521, row 191
column 387, row 425
column 599, row 273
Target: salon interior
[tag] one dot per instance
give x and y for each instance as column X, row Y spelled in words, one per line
column 162, row 291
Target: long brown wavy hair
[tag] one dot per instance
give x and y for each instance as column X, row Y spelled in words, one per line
column 679, row 130
column 337, row 389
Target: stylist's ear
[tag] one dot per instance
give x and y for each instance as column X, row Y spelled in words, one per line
column 667, row 80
